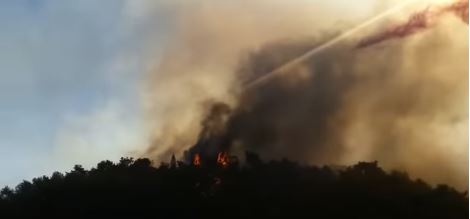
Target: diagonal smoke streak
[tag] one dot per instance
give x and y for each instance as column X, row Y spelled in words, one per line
column 325, row 45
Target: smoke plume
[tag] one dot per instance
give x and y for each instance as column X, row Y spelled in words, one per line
column 199, row 66
column 404, row 104
column 419, row 21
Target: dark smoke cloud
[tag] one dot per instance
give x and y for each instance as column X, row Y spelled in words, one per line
column 212, row 138
column 345, row 105
column 290, row 119
column 401, row 102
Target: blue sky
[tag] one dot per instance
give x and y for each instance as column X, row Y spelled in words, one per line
column 63, row 64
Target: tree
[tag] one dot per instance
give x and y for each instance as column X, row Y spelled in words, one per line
column 105, row 165
column 252, row 159
column 142, row 163
column 173, row 162
column 282, row 189
column 78, row 169
column 6, row 193
column 125, row 162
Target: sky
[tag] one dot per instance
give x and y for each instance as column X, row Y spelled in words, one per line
column 69, row 77
column 71, row 67
column 72, row 71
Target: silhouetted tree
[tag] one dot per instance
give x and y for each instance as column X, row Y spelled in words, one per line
column 125, row 162
column 142, row 163
column 282, row 189
column 104, row 165
column 252, row 159
column 6, row 193
column 173, row 161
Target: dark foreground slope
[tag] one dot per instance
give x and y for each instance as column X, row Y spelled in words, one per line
column 280, row 189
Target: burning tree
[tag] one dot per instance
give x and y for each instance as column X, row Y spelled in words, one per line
column 223, row 159
column 197, row 160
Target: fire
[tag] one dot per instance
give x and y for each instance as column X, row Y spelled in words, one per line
column 197, row 160
column 222, row 159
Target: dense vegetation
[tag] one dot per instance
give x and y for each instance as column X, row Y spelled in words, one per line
column 255, row 189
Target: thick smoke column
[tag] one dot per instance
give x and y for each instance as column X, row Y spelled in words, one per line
column 342, row 106
column 419, row 21
column 199, row 64
column 210, row 141
column 404, row 105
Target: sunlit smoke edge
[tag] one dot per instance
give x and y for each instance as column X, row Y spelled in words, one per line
column 281, row 69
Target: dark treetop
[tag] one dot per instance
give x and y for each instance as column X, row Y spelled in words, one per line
column 275, row 189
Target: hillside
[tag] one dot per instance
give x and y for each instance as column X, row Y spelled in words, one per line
column 254, row 189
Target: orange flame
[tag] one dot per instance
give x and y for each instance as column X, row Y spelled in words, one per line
column 197, row 160
column 222, row 159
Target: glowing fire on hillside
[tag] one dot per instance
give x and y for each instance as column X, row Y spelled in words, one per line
column 197, row 160
column 223, row 159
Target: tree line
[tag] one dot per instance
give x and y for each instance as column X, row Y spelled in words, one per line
column 274, row 189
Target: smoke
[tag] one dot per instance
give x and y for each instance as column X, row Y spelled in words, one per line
column 403, row 104
column 198, row 65
column 419, row 21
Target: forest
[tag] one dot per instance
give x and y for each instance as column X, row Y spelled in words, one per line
column 227, row 188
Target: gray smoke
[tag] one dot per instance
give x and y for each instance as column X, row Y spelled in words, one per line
column 403, row 103
column 394, row 104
